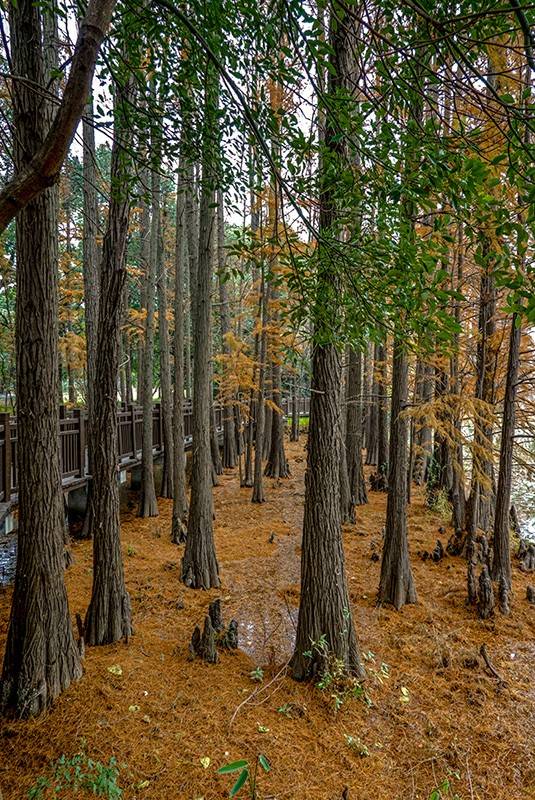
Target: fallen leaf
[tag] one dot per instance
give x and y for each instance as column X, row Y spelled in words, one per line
column 115, row 669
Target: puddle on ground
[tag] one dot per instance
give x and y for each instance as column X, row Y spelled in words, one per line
column 8, row 558
column 267, row 620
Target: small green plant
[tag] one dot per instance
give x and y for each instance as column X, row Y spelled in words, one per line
column 285, row 710
column 356, row 744
column 247, row 775
column 334, row 677
column 440, row 504
column 78, row 776
column 257, row 674
column 445, row 791
column 130, row 550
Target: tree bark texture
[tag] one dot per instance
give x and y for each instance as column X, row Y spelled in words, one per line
column 148, row 504
column 41, row 658
column 199, row 565
column 501, row 562
column 180, row 503
column 355, row 467
column 324, row 609
column 166, row 488
column 108, row 617
column 230, row 455
column 396, row 585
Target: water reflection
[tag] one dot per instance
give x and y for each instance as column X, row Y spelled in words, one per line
column 8, row 558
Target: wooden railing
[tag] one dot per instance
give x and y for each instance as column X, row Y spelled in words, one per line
column 72, row 440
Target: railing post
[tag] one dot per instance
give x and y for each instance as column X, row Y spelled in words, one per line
column 78, row 414
column 132, row 410
column 6, row 457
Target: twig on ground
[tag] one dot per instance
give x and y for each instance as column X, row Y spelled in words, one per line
column 491, row 668
column 257, row 691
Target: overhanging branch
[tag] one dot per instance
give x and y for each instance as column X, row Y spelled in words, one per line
column 44, row 168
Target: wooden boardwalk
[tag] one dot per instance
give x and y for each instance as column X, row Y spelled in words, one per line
column 73, row 448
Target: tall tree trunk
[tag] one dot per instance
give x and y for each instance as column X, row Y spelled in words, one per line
column 441, row 449
column 324, row 608
column 347, row 499
column 217, row 464
column 260, row 407
column 294, row 430
column 109, row 617
column 121, row 377
column 128, row 370
column 41, row 658
column 458, row 496
column 423, row 392
column 355, row 469
column 479, row 503
column 148, row 504
column 230, row 455
column 382, row 409
column 373, row 406
column 166, row 488
column 268, row 411
column 501, row 562
column 396, row 584
column 180, row 503
column 187, row 339
column 199, row 566
column 277, row 464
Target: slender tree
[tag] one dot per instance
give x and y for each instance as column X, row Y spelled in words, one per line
column 108, row 617
column 230, row 455
column 324, row 608
column 148, row 506
column 199, row 565
column 41, row 657
column 180, row 504
column 501, row 562
column 354, row 428
column 166, row 487
column 396, row 584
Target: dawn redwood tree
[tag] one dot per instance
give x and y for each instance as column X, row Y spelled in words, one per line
column 166, row 488
column 277, row 463
column 91, row 274
column 354, row 428
column 324, row 608
column 396, row 585
column 347, row 498
column 230, row 455
column 200, row 569
column 148, row 506
column 180, row 503
column 423, row 393
column 501, row 562
column 382, row 407
column 258, row 495
column 41, row 657
column 372, row 421
column 294, row 430
column 108, row 617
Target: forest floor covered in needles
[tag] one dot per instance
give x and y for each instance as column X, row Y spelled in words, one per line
column 171, row 722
